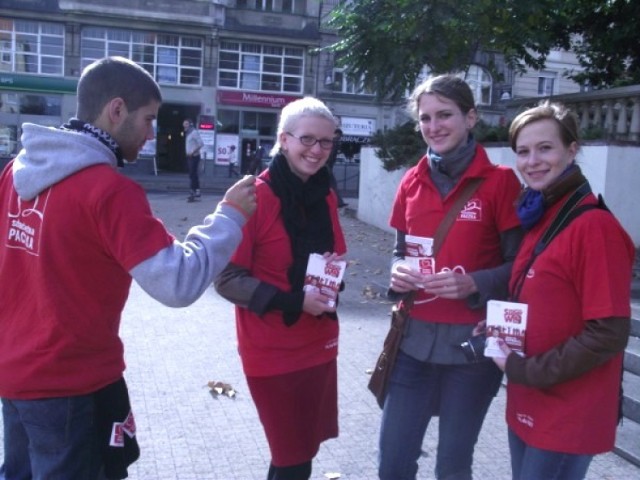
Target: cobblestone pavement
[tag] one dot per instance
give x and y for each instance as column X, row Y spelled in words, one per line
column 187, row 434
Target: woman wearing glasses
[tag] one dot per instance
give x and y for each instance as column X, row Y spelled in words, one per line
column 288, row 337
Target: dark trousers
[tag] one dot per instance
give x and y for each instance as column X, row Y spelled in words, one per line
column 293, row 472
column 193, row 164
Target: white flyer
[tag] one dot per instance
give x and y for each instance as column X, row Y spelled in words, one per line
column 324, row 276
column 508, row 321
column 418, row 254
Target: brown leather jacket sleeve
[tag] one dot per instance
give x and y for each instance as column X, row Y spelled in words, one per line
column 600, row 341
column 237, row 285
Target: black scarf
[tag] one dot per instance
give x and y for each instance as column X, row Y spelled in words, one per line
column 306, row 218
column 102, row 136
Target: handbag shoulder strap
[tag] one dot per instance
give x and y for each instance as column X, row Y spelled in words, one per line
column 445, row 226
column 452, row 213
column 567, row 213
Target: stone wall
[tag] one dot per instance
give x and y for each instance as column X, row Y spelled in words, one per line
column 612, row 170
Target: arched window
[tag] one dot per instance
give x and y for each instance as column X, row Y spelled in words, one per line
column 480, row 82
column 477, row 77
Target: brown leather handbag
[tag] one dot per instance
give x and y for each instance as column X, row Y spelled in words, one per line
column 400, row 312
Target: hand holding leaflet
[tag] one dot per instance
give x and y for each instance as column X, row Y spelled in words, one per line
column 324, row 276
column 506, row 321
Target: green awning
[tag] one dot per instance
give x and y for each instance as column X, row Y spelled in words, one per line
column 37, row 83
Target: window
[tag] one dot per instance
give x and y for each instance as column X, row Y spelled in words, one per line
column 39, row 104
column 9, row 102
column 8, row 139
column 346, row 84
column 31, row 47
column 284, row 6
column 228, row 121
column 264, row 124
column 269, row 68
column 480, row 82
column 546, row 85
column 171, row 59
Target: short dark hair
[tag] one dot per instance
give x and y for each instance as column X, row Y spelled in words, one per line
column 110, row 78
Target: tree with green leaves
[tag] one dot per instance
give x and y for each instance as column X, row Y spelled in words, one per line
column 606, row 39
column 388, row 42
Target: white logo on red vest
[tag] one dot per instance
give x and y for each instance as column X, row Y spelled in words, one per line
column 524, row 418
column 531, row 273
column 25, row 222
column 472, row 211
column 333, row 343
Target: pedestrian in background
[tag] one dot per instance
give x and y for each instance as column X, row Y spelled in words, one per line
column 288, row 337
column 256, row 161
column 75, row 233
column 331, row 163
column 193, row 144
column 432, row 376
column 563, row 395
column 233, row 162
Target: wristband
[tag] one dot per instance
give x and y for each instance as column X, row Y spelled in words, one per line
column 236, row 206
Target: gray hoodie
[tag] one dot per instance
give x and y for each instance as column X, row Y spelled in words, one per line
column 177, row 275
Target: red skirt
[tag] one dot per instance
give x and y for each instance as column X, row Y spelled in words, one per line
column 298, row 410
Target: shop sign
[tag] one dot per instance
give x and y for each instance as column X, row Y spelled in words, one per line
column 254, row 99
column 355, row 139
column 363, row 127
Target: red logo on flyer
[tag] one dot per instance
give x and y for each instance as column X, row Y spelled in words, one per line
column 512, row 315
column 332, row 270
column 129, row 425
column 117, row 435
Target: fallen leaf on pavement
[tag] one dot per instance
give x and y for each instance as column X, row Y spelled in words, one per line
column 369, row 292
column 221, row 388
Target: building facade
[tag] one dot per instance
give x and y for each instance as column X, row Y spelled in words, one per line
column 230, row 65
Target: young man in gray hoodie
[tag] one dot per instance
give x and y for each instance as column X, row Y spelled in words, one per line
column 75, row 232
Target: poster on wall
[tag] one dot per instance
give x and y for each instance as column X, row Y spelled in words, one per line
column 208, row 138
column 224, row 150
column 207, row 131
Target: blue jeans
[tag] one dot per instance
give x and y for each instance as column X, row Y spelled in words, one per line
column 530, row 463
column 193, row 164
column 52, row 439
column 417, row 391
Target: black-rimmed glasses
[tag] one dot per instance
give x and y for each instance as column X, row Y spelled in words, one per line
column 309, row 141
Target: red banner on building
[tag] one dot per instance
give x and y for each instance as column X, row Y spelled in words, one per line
column 253, row 99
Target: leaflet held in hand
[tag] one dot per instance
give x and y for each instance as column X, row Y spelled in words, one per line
column 324, row 276
column 418, row 254
column 508, row 321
